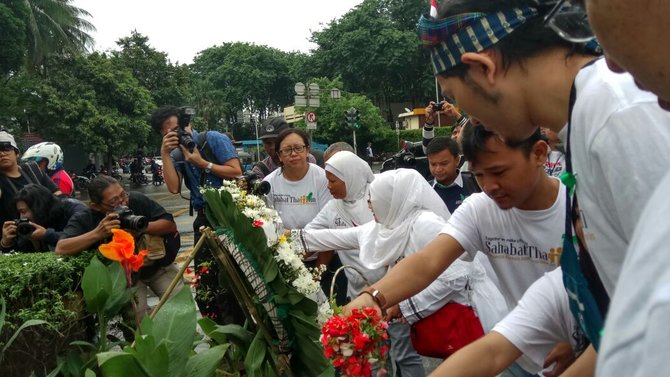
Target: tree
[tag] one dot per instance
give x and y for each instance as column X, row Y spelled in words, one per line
column 12, row 40
column 169, row 84
column 374, row 55
column 331, row 125
column 53, row 26
column 90, row 102
column 241, row 76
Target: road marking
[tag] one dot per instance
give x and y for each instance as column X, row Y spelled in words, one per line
column 179, row 212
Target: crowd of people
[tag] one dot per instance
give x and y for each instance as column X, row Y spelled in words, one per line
column 544, row 216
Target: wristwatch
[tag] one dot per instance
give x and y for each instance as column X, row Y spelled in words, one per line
column 208, row 169
column 377, row 296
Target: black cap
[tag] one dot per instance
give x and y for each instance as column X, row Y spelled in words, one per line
column 272, row 127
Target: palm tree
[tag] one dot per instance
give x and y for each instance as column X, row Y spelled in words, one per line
column 55, row 26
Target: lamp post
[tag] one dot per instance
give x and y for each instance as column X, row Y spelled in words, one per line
column 249, row 118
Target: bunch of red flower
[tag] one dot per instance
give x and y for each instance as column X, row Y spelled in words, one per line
column 354, row 343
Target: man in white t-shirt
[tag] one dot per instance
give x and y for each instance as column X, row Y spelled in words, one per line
column 541, row 320
column 517, row 222
column 512, row 71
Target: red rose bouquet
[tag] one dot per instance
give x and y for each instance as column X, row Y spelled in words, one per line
column 355, row 343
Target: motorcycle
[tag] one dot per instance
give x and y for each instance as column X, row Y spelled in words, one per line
column 139, row 178
column 80, row 182
column 158, row 177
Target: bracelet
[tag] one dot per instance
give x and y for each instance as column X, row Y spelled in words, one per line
column 377, row 296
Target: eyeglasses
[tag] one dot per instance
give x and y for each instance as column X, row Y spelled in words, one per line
column 117, row 200
column 568, row 19
column 285, row 152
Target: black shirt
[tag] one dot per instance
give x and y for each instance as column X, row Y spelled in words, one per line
column 9, row 186
column 141, row 205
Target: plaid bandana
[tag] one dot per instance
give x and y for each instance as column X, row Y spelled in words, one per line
column 451, row 37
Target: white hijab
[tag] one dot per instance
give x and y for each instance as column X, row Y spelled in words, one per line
column 357, row 176
column 398, row 198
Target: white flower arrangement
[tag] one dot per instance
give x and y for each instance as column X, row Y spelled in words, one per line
column 289, row 258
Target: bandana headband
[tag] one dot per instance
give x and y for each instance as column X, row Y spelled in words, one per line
column 451, row 37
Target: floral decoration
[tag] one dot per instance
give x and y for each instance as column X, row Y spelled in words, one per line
column 356, row 342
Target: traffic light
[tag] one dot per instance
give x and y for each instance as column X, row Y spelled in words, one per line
column 353, row 118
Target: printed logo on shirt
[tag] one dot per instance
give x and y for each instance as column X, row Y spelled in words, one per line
column 290, row 199
column 554, row 168
column 520, row 249
column 340, row 223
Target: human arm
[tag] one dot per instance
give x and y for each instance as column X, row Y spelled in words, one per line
column 327, row 239
column 584, row 366
column 172, row 177
column 404, row 281
column 488, row 356
column 226, row 164
column 78, row 241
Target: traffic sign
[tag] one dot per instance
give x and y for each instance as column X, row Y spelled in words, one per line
column 310, row 117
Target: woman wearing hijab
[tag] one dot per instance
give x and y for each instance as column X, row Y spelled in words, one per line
column 408, row 214
column 349, row 178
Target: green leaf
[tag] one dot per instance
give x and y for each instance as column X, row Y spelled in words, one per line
column 2, row 313
column 116, row 363
column 119, row 293
column 256, row 355
column 153, row 358
column 89, row 373
column 97, row 286
column 175, row 325
column 82, row 343
column 222, row 334
column 29, row 323
column 205, row 363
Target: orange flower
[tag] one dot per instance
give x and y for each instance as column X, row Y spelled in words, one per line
column 122, row 249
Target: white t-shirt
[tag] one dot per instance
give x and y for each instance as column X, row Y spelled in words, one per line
column 298, row 202
column 540, row 321
column 619, row 144
column 329, row 218
column 521, row 245
column 637, row 329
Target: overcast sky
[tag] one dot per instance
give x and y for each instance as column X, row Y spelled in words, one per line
column 183, row 28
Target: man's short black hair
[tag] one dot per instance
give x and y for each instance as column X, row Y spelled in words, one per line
column 530, row 39
column 98, row 185
column 442, row 143
column 160, row 115
column 474, row 140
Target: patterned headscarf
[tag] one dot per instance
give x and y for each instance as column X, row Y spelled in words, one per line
column 451, row 37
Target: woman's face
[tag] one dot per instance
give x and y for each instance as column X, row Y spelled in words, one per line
column 336, row 186
column 293, row 152
column 24, row 211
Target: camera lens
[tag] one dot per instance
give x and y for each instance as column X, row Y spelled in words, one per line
column 261, row 187
column 133, row 222
column 24, row 228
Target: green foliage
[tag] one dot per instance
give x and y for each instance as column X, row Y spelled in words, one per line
column 375, row 53
column 297, row 313
column 26, row 324
column 40, row 287
column 164, row 346
column 241, row 76
column 168, row 84
column 12, row 40
column 90, row 102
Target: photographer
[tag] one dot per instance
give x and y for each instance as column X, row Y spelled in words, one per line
column 42, row 218
column 112, row 207
column 202, row 159
column 14, row 176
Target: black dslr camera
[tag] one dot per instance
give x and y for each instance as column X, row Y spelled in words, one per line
column 184, row 119
column 404, row 159
column 130, row 221
column 23, row 227
column 254, row 185
column 437, row 106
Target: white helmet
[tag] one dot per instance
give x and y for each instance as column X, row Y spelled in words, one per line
column 48, row 150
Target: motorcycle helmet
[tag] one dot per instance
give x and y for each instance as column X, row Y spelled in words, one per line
column 46, row 150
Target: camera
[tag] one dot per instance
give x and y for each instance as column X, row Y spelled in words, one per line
column 130, row 221
column 437, row 106
column 23, row 227
column 184, row 116
column 255, row 185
